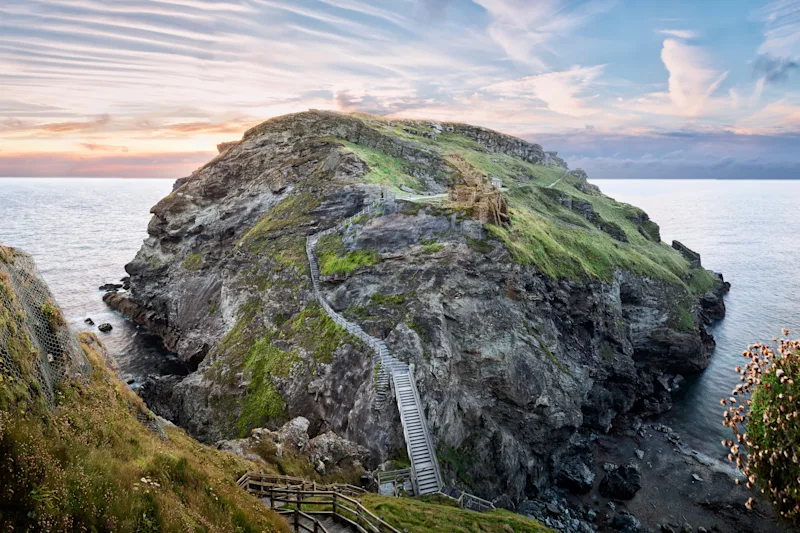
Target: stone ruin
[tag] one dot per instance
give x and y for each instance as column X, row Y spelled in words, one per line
column 478, row 193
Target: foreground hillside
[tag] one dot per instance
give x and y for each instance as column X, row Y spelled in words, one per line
column 80, row 452
column 534, row 308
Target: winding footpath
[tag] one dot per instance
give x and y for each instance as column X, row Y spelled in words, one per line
column 391, row 373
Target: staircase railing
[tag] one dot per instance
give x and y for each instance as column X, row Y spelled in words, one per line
column 315, row 502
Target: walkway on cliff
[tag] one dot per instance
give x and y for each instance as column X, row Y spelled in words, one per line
column 392, row 373
column 559, row 179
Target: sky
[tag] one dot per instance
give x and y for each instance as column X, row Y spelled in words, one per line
column 620, row 88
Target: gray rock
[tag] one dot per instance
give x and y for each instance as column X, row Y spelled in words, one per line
column 622, row 482
column 105, row 327
column 627, row 523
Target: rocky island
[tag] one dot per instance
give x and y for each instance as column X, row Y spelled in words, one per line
column 534, row 311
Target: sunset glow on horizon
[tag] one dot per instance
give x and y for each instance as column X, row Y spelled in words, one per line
column 147, row 88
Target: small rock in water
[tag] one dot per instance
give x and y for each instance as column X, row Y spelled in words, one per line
column 89, row 321
column 109, row 287
column 105, row 327
column 697, row 478
column 639, row 454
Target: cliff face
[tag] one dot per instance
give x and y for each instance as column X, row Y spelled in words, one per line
column 524, row 335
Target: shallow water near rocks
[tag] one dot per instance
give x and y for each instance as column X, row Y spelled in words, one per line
column 82, row 232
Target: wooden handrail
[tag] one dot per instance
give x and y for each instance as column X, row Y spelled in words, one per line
column 360, row 517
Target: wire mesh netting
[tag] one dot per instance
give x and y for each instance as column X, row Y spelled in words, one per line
column 57, row 354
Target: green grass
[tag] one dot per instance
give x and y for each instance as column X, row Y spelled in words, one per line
column 432, row 248
column 193, row 262
column 701, row 281
column 263, row 403
column 414, row 514
column 334, row 258
column 561, row 250
column 384, row 169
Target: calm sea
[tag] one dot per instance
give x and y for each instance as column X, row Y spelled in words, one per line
column 82, row 232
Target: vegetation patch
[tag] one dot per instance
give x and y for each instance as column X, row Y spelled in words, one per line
column 701, row 281
column 53, row 316
column 430, row 246
column 415, row 514
column 334, row 258
column 564, row 250
column 383, row 168
column 314, row 330
column 263, row 403
column 193, row 262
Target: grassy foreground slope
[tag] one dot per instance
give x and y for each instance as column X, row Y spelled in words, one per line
column 438, row 515
column 90, row 465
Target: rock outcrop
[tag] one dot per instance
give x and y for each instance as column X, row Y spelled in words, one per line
column 519, row 349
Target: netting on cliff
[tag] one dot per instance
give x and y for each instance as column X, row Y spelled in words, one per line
column 56, row 352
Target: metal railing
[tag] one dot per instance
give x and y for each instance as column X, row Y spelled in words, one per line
column 304, row 502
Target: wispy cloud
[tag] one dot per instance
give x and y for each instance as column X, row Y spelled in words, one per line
column 561, row 92
column 679, row 34
column 525, row 29
column 781, row 20
column 92, row 147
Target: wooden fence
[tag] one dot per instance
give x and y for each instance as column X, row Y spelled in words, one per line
column 291, row 496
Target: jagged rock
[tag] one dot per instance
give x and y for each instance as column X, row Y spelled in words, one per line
column 105, row 327
column 621, row 482
column 110, row 287
column 88, row 321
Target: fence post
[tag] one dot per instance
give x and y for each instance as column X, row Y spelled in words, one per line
column 296, row 520
column 271, row 498
column 334, row 504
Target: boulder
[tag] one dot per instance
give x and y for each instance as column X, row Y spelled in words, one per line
column 110, row 287
column 295, row 433
column 105, row 327
column 575, row 476
column 626, row 523
column 331, row 450
column 621, row 482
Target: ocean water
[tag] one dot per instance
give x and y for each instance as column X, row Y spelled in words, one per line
column 750, row 232
column 81, row 233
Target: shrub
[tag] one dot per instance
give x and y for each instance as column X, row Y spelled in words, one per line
column 763, row 413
